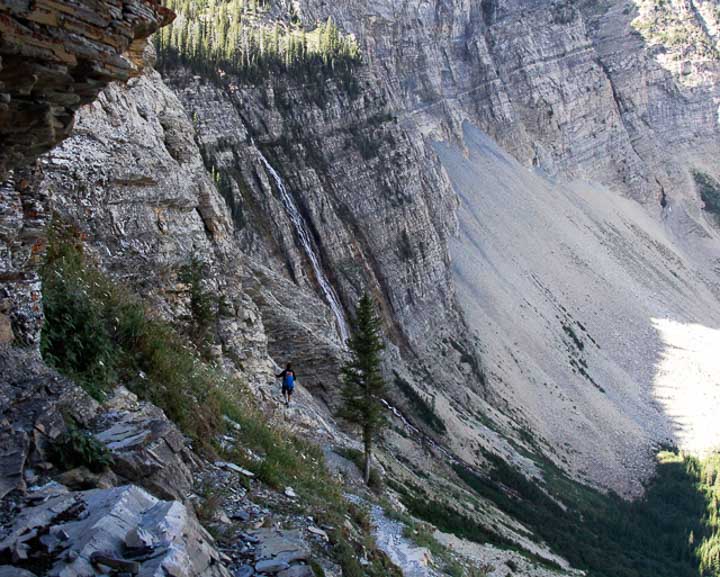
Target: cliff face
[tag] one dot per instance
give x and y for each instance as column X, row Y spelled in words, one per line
column 572, row 91
column 605, row 92
column 56, row 56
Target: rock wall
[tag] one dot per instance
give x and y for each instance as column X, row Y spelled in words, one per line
column 54, row 57
column 132, row 177
column 57, row 56
column 575, row 91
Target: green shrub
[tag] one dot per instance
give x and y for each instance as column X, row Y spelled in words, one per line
column 358, row 458
column 709, row 190
column 420, row 406
column 79, row 448
column 202, row 306
column 99, row 334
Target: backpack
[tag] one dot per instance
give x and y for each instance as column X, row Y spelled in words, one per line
column 289, row 380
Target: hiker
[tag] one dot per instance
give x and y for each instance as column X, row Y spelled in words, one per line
column 288, row 383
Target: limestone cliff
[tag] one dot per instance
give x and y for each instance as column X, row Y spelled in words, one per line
column 574, row 91
column 56, row 56
column 515, row 181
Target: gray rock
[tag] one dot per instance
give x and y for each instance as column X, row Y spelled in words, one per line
column 33, row 401
column 244, row 571
column 93, row 522
column 8, row 571
column 279, row 545
column 148, row 449
column 271, row 566
column 139, row 538
column 297, row 571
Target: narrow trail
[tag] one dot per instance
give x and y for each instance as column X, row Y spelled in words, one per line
column 413, row 560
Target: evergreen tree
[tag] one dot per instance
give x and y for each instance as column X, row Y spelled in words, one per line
column 363, row 384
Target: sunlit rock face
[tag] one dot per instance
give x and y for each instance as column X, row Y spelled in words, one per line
column 564, row 284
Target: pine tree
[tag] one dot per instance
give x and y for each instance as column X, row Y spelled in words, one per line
column 363, row 384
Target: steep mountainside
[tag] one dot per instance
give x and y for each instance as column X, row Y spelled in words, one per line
column 574, row 90
column 530, row 190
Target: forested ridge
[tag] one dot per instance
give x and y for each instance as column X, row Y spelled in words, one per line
column 242, row 38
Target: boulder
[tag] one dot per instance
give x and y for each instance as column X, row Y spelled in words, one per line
column 147, row 448
column 85, row 533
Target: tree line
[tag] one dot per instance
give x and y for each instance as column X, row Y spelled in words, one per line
column 231, row 37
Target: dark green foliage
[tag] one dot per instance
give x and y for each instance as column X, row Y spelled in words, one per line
column 99, row 334
column 446, row 518
column 75, row 337
column 363, row 383
column 232, row 37
column 202, row 305
column 709, row 190
column 420, row 406
column 78, row 448
column 606, row 535
column 357, row 457
column 575, row 339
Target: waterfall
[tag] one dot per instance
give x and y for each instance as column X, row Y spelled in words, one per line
column 301, row 229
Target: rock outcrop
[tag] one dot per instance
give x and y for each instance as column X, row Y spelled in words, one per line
column 57, row 56
column 124, row 529
column 35, row 401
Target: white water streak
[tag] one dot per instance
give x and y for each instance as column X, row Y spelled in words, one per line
column 303, row 234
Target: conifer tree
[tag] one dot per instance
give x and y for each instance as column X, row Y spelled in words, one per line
column 363, row 384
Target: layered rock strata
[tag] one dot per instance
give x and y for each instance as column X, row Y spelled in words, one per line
column 57, row 56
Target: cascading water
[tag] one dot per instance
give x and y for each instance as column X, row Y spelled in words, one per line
column 301, row 230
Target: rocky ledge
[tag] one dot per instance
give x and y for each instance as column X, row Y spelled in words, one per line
column 56, row 55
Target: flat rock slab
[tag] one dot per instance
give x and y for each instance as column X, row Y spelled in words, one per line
column 297, row 571
column 284, row 546
column 271, row 566
column 147, row 448
column 89, row 531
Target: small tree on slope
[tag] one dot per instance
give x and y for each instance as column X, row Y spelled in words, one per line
column 363, row 383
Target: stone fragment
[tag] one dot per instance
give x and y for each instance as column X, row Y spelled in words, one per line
column 270, row 566
column 290, row 492
column 234, row 467
column 9, row 571
column 297, row 571
column 147, row 449
column 319, row 532
column 139, row 538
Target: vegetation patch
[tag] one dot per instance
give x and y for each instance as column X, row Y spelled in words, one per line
column 420, row 406
column 671, row 532
column 709, row 190
column 236, row 37
column 79, row 448
column 99, row 334
column 358, row 458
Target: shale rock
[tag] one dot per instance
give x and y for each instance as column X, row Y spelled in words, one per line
column 81, row 533
column 146, row 447
column 33, row 402
column 56, row 56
